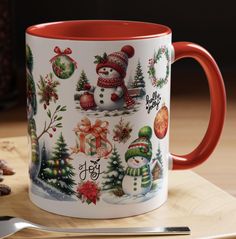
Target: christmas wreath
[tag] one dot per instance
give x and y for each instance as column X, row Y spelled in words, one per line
column 159, row 81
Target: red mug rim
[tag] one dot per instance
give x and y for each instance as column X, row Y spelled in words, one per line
column 98, row 30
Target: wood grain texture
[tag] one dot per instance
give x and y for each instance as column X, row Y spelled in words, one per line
column 193, row 201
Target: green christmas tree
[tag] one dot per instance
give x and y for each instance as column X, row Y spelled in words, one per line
column 58, row 171
column 115, row 172
column 34, row 148
column 138, row 78
column 29, row 58
column 31, row 91
column 158, row 168
column 82, row 80
column 44, row 162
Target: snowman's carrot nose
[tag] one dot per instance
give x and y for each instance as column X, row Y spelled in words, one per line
column 137, row 161
column 104, row 72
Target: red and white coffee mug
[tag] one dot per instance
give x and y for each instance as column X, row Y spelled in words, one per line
column 98, row 97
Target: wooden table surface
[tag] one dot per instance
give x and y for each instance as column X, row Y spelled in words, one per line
column 193, row 201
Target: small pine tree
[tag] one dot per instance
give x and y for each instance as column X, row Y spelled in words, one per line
column 58, row 171
column 115, row 172
column 158, row 168
column 82, row 80
column 138, row 78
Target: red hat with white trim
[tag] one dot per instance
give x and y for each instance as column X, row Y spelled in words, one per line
column 117, row 60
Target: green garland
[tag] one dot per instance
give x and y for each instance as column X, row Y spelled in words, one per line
column 161, row 81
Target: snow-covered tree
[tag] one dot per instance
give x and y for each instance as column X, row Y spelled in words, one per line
column 115, row 172
column 57, row 170
column 82, row 80
column 138, row 78
column 158, row 168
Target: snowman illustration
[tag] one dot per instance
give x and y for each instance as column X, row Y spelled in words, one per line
column 138, row 178
column 111, row 92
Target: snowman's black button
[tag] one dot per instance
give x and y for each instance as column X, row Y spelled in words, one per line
column 135, row 184
column 135, row 189
column 135, row 178
column 101, row 101
column 102, row 89
column 101, row 95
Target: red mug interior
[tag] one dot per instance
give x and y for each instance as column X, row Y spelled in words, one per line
column 98, row 30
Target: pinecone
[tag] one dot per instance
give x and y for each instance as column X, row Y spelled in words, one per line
column 4, row 190
column 118, row 192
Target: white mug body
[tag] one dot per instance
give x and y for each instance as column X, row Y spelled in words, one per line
column 98, row 116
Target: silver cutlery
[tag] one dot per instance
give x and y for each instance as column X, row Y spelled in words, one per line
column 11, row 225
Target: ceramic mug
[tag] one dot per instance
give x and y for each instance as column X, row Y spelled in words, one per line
column 98, row 100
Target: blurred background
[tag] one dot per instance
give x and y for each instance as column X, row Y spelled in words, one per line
column 208, row 23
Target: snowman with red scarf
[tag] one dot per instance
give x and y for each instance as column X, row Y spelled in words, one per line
column 111, row 92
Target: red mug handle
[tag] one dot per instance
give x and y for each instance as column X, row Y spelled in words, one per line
column 218, row 105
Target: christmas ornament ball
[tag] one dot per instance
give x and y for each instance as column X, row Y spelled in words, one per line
column 161, row 122
column 63, row 171
column 55, row 172
column 63, row 67
column 87, row 101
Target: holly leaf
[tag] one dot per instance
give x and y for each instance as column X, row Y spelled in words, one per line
column 104, row 56
column 59, row 118
column 98, row 59
column 49, row 113
column 63, row 108
column 58, row 107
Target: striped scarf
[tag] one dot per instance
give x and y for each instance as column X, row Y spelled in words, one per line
column 144, row 172
column 114, row 82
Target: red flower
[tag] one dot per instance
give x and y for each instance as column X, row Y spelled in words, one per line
column 88, row 191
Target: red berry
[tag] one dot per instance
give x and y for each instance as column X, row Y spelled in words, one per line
column 47, row 103
column 50, row 135
column 54, row 129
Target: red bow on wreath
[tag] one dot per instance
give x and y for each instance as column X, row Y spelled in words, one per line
column 66, row 52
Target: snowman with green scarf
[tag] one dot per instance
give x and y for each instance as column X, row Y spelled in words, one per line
column 138, row 178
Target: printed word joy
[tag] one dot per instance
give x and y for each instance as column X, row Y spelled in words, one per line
column 152, row 101
column 92, row 171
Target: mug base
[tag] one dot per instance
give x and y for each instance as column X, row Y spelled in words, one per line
column 104, row 211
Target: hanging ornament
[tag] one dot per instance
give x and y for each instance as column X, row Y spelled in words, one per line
column 63, row 65
column 161, row 122
column 87, row 101
column 63, row 171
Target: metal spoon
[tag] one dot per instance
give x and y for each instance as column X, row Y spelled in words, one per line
column 11, row 225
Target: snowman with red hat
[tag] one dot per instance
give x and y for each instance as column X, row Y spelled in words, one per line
column 111, row 92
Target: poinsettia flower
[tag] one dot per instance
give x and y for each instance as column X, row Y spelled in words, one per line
column 88, row 191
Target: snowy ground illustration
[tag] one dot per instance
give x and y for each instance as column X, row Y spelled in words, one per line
column 42, row 189
column 105, row 113
column 110, row 198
